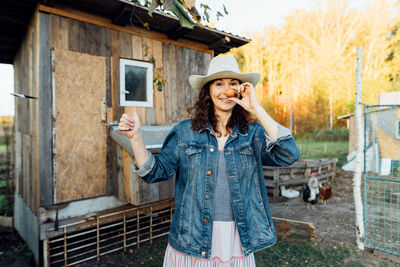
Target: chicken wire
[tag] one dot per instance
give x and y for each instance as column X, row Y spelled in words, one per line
column 382, row 178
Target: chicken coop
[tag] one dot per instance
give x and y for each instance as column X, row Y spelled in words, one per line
column 80, row 64
column 382, row 178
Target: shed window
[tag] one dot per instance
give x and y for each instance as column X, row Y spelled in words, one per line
column 136, row 83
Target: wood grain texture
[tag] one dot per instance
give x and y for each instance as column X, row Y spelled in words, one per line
column 115, row 48
column 45, row 113
column 80, row 135
column 159, row 104
column 148, row 54
column 59, row 32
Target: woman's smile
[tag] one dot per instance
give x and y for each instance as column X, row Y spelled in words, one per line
column 217, row 93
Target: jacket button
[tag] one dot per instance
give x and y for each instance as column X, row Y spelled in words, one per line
column 205, row 221
column 209, row 173
column 207, row 196
column 203, row 254
column 212, row 149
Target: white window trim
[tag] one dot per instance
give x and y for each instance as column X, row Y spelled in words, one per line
column 149, row 83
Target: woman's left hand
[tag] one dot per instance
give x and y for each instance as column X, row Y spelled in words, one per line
column 249, row 99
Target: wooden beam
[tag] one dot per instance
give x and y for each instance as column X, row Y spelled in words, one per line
column 121, row 18
column 177, row 33
column 286, row 228
column 219, row 43
column 45, row 114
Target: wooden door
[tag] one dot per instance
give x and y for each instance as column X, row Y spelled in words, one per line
column 79, row 85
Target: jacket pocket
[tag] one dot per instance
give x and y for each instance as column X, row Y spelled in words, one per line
column 248, row 157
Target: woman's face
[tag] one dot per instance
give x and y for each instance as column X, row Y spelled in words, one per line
column 220, row 100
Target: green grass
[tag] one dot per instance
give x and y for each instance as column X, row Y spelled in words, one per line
column 3, row 148
column 323, row 149
column 306, row 253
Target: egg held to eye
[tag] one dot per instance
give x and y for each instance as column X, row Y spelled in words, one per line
column 229, row 92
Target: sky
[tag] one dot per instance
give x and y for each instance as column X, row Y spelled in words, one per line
column 240, row 21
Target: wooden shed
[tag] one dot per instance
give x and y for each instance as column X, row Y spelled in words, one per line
column 78, row 60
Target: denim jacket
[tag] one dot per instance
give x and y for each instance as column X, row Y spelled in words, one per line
column 192, row 156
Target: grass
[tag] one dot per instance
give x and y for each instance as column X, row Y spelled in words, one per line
column 323, row 149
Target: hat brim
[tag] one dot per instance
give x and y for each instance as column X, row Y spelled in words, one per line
column 198, row 81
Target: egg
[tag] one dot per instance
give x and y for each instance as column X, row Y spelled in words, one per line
column 229, row 92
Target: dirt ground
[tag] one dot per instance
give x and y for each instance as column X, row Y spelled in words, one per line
column 334, row 221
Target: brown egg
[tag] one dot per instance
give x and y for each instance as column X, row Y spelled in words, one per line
column 229, row 92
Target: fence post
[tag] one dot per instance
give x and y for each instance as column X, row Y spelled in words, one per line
column 360, row 154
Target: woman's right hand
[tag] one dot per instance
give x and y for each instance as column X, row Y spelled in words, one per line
column 129, row 125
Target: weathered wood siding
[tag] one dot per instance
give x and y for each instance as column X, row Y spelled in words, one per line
column 35, row 134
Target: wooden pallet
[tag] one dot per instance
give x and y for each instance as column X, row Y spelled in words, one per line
column 298, row 174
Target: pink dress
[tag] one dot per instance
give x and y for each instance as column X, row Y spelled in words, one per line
column 226, row 250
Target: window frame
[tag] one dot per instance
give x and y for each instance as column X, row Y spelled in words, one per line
column 149, row 83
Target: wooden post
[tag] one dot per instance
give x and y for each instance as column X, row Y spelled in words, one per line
column 359, row 156
column 276, row 181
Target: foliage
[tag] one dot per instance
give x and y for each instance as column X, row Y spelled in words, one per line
column 185, row 10
column 308, row 63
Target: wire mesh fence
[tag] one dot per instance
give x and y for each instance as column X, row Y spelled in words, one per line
column 78, row 242
column 382, row 178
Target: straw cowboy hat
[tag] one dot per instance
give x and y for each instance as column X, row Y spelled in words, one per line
column 223, row 66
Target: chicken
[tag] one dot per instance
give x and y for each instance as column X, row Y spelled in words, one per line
column 325, row 193
column 310, row 193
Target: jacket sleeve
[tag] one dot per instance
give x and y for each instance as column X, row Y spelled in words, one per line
column 162, row 166
column 282, row 152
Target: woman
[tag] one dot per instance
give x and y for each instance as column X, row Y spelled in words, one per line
column 221, row 213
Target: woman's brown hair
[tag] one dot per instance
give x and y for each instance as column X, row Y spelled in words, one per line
column 203, row 112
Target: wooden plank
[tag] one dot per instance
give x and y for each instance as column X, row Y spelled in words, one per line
column 137, row 47
column 159, row 103
column 188, row 92
column 154, row 192
column 179, row 84
column 120, row 175
column 45, row 113
column 127, row 171
column 35, row 69
column 149, row 112
column 126, row 45
column 105, row 22
column 115, row 55
column 171, row 97
column 104, row 42
column 290, row 229
column 80, row 157
column 27, row 169
column 58, row 32
column 137, row 54
column 74, row 35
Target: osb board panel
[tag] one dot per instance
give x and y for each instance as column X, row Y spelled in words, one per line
column 80, row 139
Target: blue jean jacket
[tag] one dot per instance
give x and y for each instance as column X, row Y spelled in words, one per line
column 192, row 155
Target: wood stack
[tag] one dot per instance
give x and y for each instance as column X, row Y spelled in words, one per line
column 298, row 174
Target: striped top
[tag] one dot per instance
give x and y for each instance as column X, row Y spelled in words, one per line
column 226, row 249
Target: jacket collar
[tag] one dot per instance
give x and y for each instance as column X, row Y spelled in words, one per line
column 234, row 133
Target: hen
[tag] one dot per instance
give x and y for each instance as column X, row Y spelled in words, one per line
column 310, row 193
column 325, row 193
